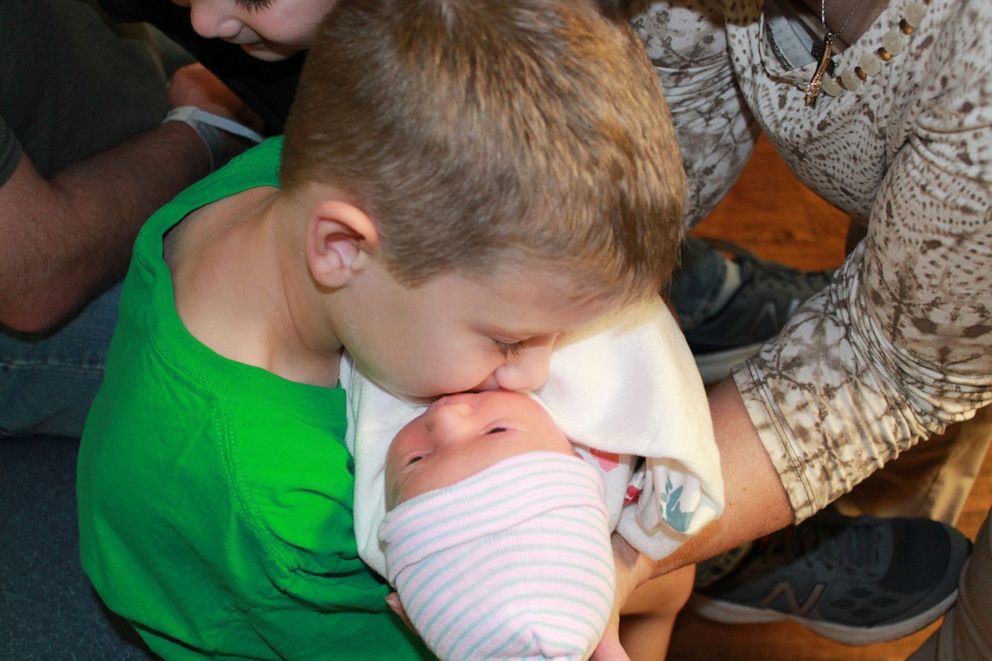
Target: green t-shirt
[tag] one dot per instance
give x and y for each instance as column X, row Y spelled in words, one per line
column 215, row 498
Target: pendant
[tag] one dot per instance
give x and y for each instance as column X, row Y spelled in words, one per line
column 822, row 52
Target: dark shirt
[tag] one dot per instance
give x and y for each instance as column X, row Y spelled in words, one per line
column 89, row 90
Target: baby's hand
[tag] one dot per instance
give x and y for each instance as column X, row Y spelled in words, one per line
column 393, row 601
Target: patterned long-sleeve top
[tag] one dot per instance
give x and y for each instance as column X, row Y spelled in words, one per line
column 900, row 344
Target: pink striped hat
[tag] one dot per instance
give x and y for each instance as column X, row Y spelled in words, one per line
column 512, row 562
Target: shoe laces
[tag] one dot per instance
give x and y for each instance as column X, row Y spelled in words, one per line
column 845, row 545
column 773, row 275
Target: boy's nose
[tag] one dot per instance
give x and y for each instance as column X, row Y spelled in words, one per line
column 212, row 22
column 528, row 371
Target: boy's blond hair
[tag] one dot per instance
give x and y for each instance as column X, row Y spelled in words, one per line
column 478, row 133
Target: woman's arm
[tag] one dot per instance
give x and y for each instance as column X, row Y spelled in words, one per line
column 756, row 502
column 687, row 43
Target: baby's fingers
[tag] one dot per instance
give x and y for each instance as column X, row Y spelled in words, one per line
column 393, row 601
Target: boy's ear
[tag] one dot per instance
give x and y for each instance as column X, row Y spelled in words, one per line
column 340, row 240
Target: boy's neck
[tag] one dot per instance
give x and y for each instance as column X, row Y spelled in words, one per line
column 243, row 289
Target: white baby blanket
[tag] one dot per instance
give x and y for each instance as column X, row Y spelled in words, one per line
column 625, row 385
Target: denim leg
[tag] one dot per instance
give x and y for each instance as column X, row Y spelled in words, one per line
column 697, row 281
column 47, row 385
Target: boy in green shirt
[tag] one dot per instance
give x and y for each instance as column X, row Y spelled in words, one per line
column 461, row 181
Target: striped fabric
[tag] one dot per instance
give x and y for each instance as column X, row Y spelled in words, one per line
column 514, row 562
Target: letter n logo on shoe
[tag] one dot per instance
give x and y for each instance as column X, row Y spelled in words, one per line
column 785, row 591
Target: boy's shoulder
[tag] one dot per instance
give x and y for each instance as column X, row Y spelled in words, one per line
column 258, row 166
column 183, row 258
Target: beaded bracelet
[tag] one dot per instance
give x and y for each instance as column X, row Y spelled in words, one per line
column 870, row 63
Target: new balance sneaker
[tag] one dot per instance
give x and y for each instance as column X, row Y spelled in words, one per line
column 768, row 295
column 855, row 580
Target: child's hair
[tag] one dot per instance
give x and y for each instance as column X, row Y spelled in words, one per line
column 478, row 133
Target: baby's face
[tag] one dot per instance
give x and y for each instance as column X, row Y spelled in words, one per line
column 461, row 435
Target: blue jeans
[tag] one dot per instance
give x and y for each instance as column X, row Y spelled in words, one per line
column 697, row 281
column 47, row 385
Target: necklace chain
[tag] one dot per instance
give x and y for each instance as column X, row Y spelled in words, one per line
column 822, row 52
column 850, row 15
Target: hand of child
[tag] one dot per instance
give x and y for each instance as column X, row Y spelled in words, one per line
column 193, row 85
column 393, row 601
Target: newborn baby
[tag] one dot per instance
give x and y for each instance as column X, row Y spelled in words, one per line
column 497, row 537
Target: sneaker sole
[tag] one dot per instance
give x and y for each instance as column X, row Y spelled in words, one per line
column 728, row 613
column 716, row 366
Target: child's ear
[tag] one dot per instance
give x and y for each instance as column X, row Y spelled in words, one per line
column 340, row 240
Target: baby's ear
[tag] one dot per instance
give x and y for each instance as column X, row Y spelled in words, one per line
column 340, row 240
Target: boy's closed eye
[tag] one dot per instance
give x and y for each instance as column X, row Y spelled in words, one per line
column 509, row 349
column 254, row 5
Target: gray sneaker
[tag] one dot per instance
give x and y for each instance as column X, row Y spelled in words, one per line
column 855, row 580
column 768, row 295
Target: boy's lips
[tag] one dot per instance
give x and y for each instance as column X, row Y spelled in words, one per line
column 265, row 50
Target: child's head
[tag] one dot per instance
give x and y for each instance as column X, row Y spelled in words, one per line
column 479, row 134
column 517, row 145
column 497, row 537
column 266, row 29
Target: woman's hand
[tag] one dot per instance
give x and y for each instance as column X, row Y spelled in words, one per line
column 609, row 648
column 632, row 569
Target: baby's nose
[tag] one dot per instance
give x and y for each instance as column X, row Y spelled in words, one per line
column 450, row 422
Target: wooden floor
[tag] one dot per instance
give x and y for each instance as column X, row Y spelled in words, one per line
column 776, row 217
